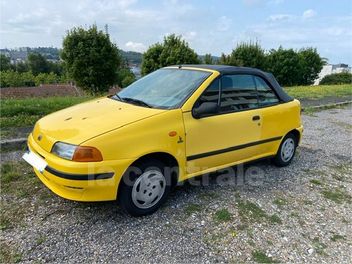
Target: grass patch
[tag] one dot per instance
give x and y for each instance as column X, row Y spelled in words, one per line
column 316, row 182
column 251, row 243
column 26, row 111
column 337, row 195
column 320, row 91
column 294, row 215
column 12, row 214
column 9, row 173
column 208, row 196
column 17, row 178
column 319, row 246
column 308, row 202
column 339, row 177
column 341, row 171
column 40, row 240
column 8, row 254
column 20, row 185
column 275, row 219
column 250, row 212
column 193, row 208
column 212, row 239
column 280, row 202
column 222, row 215
column 337, row 237
column 260, row 257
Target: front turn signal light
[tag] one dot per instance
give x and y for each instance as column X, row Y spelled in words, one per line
column 87, row 154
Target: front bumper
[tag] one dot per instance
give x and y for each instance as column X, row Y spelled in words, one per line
column 80, row 181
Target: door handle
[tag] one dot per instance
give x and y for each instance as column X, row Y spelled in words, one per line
column 255, row 118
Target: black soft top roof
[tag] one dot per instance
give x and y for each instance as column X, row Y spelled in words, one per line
column 225, row 69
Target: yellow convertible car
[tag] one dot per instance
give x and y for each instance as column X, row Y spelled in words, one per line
column 173, row 124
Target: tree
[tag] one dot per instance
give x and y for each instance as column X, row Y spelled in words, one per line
column 224, row 59
column 285, row 64
column 91, row 59
column 125, row 75
column 248, row 55
column 151, row 59
column 56, row 67
column 5, row 63
column 173, row 51
column 311, row 65
column 127, row 80
column 208, row 59
column 37, row 63
column 21, row 67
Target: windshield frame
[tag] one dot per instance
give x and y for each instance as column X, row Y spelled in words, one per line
column 183, row 101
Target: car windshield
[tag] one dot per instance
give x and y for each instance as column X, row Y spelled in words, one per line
column 164, row 88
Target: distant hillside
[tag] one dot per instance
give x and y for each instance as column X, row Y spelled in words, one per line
column 51, row 53
column 132, row 56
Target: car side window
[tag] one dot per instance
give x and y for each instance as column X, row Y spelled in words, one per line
column 211, row 94
column 238, row 92
column 266, row 95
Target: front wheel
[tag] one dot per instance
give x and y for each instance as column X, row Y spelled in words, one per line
column 286, row 150
column 144, row 187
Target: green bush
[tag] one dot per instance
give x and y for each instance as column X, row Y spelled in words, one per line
column 12, row 78
column 337, row 78
column 47, row 78
column 16, row 79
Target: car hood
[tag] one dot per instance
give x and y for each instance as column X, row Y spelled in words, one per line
column 82, row 122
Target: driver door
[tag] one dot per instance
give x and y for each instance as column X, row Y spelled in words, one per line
column 226, row 136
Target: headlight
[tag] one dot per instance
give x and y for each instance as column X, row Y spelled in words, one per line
column 64, row 150
column 76, row 153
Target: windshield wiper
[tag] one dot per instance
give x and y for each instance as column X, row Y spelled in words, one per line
column 116, row 97
column 135, row 101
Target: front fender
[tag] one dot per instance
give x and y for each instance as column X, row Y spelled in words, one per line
column 144, row 137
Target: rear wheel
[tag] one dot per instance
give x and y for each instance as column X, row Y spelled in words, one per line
column 286, row 150
column 144, row 188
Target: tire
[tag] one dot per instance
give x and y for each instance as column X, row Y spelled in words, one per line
column 144, row 188
column 286, row 150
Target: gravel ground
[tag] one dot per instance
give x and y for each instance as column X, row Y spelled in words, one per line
column 298, row 214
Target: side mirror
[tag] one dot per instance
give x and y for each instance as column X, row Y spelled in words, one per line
column 205, row 109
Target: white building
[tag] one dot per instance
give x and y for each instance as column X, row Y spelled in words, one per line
column 330, row 69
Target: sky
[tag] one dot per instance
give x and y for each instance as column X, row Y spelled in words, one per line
column 209, row 26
